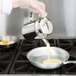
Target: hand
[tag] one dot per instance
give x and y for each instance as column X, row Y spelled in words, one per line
column 37, row 6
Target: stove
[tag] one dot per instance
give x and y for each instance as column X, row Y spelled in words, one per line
column 14, row 61
column 6, row 59
column 21, row 65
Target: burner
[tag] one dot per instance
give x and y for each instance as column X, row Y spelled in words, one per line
column 6, row 58
column 5, row 61
column 21, row 65
column 69, row 68
column 66, row 44
column 73, row 52
column 43, row 71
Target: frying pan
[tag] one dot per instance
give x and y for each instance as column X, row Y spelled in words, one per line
column 9, row 38
column 38, row 55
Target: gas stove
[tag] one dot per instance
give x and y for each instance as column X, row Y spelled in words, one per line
column 14, row 61
column 6, row 59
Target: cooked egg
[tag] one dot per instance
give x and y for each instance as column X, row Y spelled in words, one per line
column 51, row 61
column 6, row 42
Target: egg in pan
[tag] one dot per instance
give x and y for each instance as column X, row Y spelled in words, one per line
column 6, row 42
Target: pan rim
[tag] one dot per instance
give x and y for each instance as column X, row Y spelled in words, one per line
column 48, row 64
column 11, row 40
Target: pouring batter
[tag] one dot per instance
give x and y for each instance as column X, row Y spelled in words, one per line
column 49, row 60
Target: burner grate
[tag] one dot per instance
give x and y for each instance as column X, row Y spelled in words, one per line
column 6, row 58
column 69, row 68
column 66, row 44
column 21, row 65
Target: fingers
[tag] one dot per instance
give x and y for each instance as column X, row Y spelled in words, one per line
column 36, row 11
column 42, row 8
column 39, row 8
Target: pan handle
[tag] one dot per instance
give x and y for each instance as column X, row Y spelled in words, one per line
column 69, row 62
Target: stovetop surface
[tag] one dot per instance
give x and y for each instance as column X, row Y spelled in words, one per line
column 14, row 61
column 6, row 58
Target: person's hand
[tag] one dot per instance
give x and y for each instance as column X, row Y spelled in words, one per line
column 37, row 6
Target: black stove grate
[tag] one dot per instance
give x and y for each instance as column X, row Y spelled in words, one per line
column 21, row 65
column 69, row 68
column 6, row 58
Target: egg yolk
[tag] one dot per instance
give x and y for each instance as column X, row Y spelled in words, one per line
column 5, row 42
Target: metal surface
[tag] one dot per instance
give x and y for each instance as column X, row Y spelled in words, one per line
column 62, row 14
column 9, row 38
column 43, row 24
column 68, row 62
column 41, row 35
column 38, row 55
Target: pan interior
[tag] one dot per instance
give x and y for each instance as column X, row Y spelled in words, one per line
column 9, row 38
column 38, row 55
